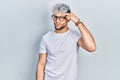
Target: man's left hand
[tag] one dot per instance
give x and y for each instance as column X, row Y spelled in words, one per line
column 72, row 16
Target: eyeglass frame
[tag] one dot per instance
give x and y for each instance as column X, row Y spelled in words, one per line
column 59, row 17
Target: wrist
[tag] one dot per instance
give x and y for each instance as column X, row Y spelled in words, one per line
column 78, row 22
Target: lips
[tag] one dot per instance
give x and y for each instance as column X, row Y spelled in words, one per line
column 57, row 25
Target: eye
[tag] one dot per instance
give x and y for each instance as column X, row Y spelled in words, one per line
column 55, row 16
column 65, row 16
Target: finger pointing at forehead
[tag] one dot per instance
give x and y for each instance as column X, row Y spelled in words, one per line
column 68, row 16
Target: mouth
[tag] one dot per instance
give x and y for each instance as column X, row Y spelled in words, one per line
column 57, row 25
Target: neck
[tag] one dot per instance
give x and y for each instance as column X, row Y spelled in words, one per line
column 62, row 30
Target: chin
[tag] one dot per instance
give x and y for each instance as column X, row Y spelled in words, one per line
column 57, row 27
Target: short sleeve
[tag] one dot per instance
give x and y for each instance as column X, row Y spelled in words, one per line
column 42, row 46
column 77, row 35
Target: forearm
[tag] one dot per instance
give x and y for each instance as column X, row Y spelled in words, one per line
column 40, row 73
column 87, row 38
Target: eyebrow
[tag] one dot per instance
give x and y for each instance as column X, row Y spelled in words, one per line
column 59, row 16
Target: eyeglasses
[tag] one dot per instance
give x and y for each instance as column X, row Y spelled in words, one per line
column 61, row 18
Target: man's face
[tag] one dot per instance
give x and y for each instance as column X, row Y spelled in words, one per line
column 60, row 21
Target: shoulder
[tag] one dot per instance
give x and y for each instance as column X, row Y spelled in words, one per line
column 47, row 35
column 75, row 32
column 76, row 35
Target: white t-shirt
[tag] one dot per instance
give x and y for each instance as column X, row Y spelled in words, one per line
column 62, row 52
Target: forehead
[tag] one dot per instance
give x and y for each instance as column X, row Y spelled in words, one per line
column 60, row 14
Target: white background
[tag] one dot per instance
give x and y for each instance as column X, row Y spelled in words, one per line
column 23, row 22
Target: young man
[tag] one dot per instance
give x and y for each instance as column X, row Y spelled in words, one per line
column 58, row 48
